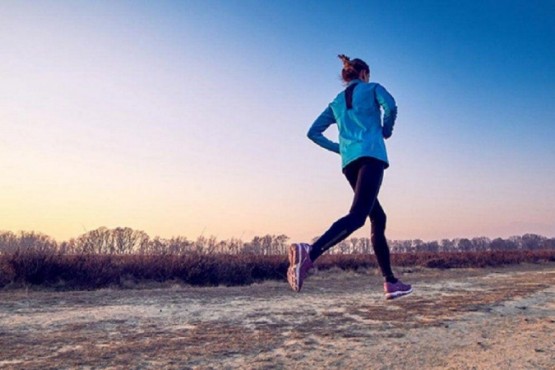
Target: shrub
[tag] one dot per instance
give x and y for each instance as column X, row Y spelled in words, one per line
column 93, row 271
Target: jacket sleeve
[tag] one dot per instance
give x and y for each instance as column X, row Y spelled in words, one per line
column 389, row 107
column 315, row 133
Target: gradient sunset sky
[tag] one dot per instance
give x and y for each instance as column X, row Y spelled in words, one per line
column 190, row 117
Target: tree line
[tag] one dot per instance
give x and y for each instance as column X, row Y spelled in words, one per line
column 124, row 241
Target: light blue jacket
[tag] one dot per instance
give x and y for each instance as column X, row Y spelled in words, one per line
column 361, row 133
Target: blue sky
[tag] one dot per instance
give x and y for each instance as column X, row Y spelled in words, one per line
column 190, row 117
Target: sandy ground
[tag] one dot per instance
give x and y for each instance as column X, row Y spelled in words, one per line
column 500, row 318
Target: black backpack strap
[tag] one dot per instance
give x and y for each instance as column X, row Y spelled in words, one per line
column 349, row 95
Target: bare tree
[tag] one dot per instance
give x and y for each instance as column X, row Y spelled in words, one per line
column 180, row 245
column 8, row 242
column 37, row 242
column 134, row 240
column 481, row 243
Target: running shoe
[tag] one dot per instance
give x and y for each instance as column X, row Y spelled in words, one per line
column 299, row 265
column 396, row 290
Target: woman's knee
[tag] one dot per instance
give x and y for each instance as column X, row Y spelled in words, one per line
column 378, row 222
column 357, row 220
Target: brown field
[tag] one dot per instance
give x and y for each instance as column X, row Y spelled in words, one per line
column 456, row 319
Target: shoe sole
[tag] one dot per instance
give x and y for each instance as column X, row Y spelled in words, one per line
column 294, row 271
column 293, row 254
column 398, row 294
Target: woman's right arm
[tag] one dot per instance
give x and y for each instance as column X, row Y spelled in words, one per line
column 315, row 133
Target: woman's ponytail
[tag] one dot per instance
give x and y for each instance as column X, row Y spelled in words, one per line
column 352, row 68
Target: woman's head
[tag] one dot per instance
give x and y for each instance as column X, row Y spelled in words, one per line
column 353, row 69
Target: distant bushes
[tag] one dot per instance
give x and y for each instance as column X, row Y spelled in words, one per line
column 124, row 257
column 442, row 260
column 446, row 260
column 94, row 271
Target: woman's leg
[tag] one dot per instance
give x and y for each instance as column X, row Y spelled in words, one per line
column 366, row 174
column 379, row 242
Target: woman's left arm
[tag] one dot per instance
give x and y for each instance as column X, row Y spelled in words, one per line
column 389, row 107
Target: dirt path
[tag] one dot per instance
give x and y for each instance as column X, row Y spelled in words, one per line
column 457, row 319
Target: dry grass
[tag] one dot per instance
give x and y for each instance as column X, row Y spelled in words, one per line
column 95, row 271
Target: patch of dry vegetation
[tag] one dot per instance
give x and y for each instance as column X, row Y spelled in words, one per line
column 93, row 271
column 123, row 257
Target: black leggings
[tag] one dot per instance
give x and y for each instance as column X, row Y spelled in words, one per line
column 365, row 177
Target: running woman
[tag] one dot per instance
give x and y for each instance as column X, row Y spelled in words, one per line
column 357, row 111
